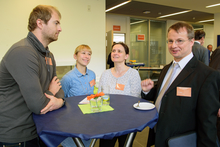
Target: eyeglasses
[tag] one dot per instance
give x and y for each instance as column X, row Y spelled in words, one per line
column 178, row 42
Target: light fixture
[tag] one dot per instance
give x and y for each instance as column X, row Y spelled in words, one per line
column 117, row 6
column 213, row 5
column 206, row 20
column 198, row 29
column 137, row 22
column 146, row 12
column 174, row 14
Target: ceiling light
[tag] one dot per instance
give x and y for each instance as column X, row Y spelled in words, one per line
column 146, row 12
column 198, row 29
column 137, row 22
column 174, row 14
column 206, row 20
column 213, row 5
column 117, row 6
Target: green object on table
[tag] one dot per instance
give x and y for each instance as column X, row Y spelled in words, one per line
column 95, row 91
column 86, row 109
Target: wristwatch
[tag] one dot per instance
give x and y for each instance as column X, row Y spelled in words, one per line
column 64, row 101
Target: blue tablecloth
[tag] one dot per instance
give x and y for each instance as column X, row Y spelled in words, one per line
column 69, row 121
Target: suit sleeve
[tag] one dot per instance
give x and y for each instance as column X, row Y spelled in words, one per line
column 206, row 57
column 151, row 96
column 207, row 108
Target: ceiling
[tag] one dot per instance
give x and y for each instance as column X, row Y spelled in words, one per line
column 163, row 7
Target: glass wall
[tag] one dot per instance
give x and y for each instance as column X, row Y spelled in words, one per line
column 157, row 43
column 139, row 47
column 151, row 48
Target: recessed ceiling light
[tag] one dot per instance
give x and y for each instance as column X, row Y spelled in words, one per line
column 174, row 14
column 146, row 12
column 213, row 5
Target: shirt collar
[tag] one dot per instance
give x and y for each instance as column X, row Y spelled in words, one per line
column 79, row 74
column 197, row 42
column 182, row 63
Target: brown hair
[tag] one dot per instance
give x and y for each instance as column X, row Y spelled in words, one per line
column 82, row 47
column 199, row 34
column 124, row 46
column 42, row 12
column 181, row 24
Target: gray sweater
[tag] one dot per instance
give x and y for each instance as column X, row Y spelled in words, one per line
column 24, row 78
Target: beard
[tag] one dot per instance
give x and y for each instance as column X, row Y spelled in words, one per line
column 50, row 37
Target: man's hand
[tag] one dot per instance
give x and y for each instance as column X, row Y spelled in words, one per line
column 147, row 85
column 53, row 104
column 54, row 86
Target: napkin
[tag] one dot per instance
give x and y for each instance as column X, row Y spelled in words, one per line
column 84, row 101
column 86, row 109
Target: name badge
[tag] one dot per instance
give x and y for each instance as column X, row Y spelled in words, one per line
column 48, row 61
column 92, row 83
column 184, row 91
column 120, row 87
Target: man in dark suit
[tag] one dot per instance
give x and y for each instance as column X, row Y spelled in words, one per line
column 191, row 102
column 215, row 63
column 215, row 59
column 198, row 49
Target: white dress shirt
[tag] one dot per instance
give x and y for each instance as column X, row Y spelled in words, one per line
column 182, row 63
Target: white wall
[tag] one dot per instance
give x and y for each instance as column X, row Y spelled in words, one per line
column 120, row 20
column 216, row 29
column 209, row 37
column 79, row 26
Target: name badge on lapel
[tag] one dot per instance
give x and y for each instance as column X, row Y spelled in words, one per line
column 184, row 91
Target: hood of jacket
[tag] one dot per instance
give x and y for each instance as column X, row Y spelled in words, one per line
column 37, row 45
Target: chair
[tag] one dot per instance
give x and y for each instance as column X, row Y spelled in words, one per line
column 184, row 140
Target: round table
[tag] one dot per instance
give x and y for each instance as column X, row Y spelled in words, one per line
column 69, row 121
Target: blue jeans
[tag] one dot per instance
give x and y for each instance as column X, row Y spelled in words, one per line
column 31, row 143
column 68, row 142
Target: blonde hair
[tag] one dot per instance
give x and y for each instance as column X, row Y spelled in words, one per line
column 82, row 47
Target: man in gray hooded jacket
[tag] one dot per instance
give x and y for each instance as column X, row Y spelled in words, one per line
column 28, row 82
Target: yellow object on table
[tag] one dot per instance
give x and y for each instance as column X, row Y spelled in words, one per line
column 86, row 109
column 132, row 61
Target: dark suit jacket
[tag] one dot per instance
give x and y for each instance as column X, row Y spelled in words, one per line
column 201, row 53
column 180, row 114
column 215, row 62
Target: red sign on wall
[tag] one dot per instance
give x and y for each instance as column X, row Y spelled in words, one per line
column 141, row 37
column 116, row 28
